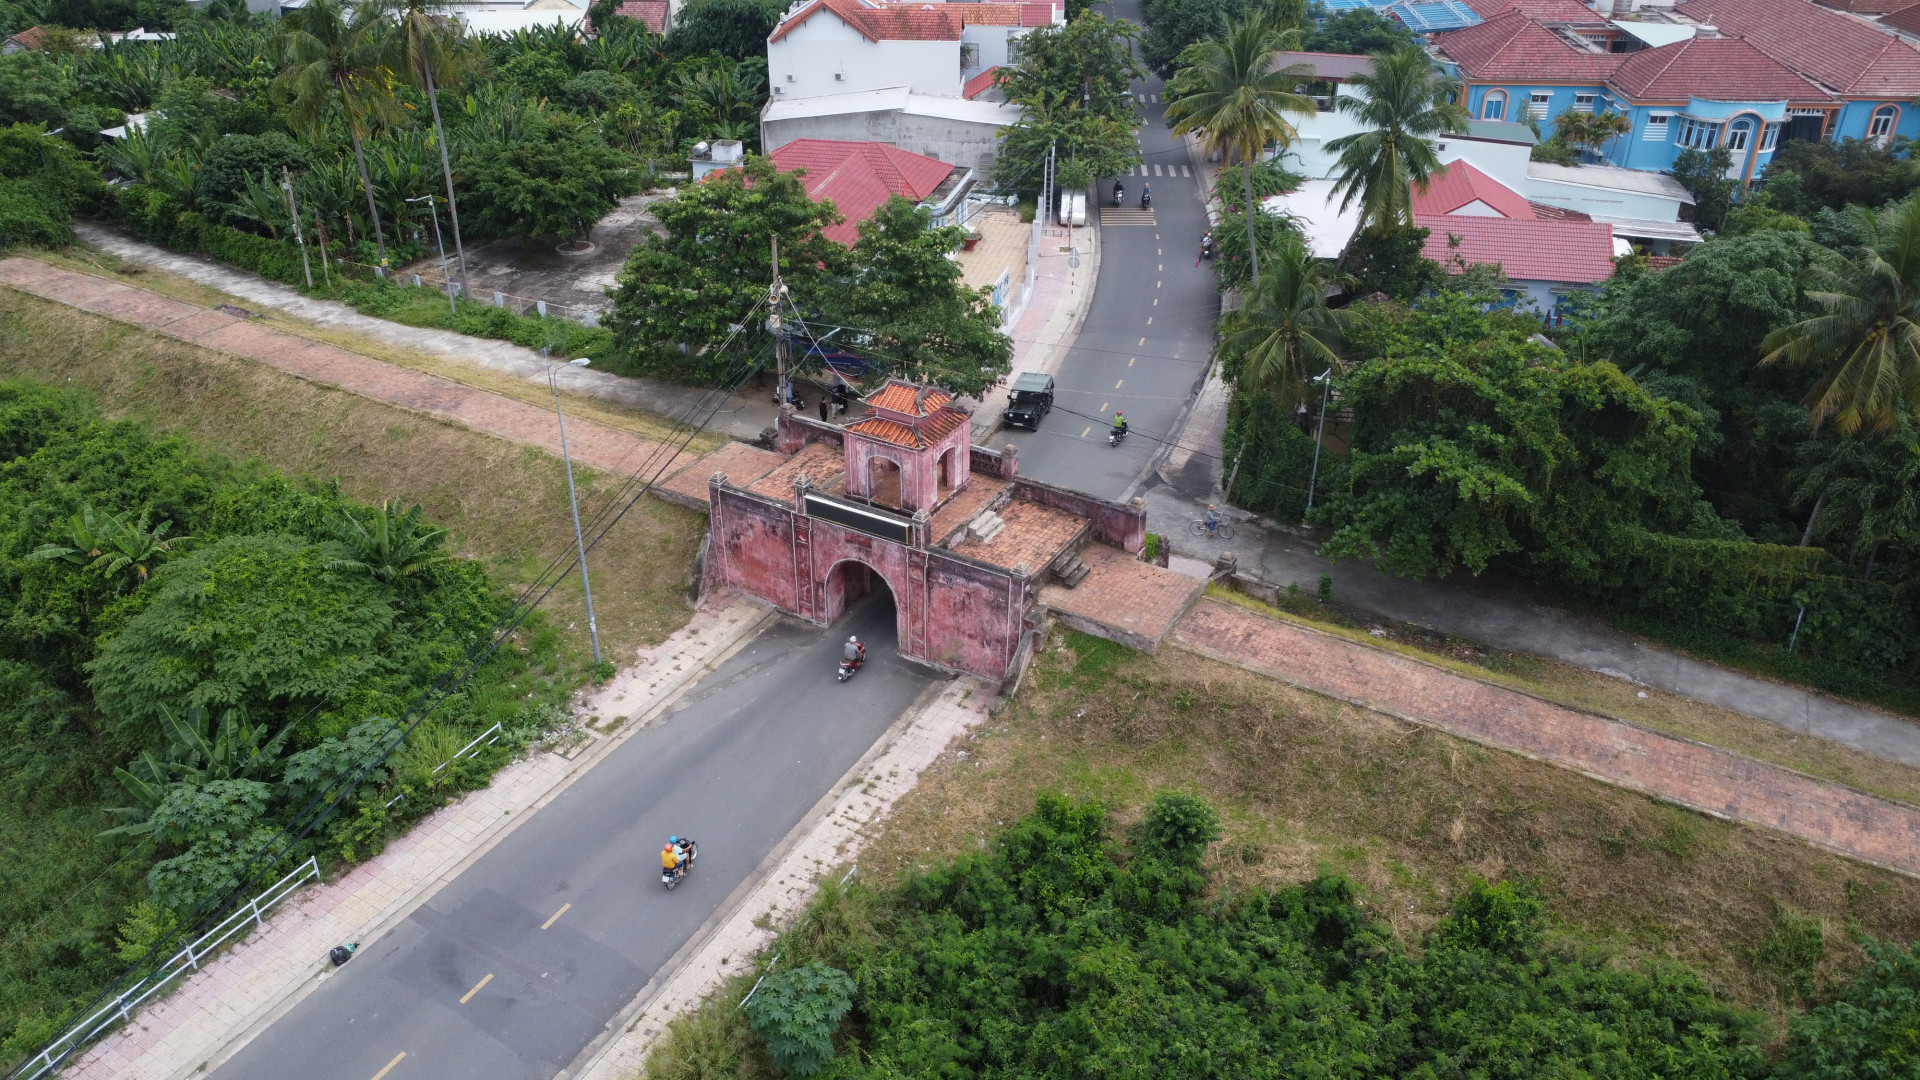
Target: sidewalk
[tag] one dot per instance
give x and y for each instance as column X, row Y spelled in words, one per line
column 745, row 416
column 213, row 1012
column 1046, row 329
column 829, row 839
column 1694, row 775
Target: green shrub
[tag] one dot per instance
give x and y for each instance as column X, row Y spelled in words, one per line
column 1870, row 1032
column 796, row 1012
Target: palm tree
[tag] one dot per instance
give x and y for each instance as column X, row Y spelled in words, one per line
column 1403, row 104
column 1591, row 130
column 1234, row 96
column 332, row 59
column 394, row 546
column 1867, row 335
column 425, row 40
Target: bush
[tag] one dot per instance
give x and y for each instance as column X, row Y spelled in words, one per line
column 1870, row 1032
column 796, row 1012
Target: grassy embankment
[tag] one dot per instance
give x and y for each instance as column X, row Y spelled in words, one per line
column 1307, row 785
column 502, row 503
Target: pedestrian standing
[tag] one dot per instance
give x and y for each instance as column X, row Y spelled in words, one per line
column 826, row 406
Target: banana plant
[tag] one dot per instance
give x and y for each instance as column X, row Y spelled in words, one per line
column 109, row 544
column 198, row 753
column 393, row 546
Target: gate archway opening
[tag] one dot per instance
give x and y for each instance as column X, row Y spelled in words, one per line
column 856, row 589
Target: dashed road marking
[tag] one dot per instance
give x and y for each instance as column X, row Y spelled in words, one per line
column 1131, row 359
column 1143, row 341
column 476, row 988
column 1083, row 435
column 1186, row 170
column 1119, row 384
column 556, row 916
column 390, row 1065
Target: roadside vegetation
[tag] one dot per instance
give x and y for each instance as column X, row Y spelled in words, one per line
column 269, row 487
column 1506, row 893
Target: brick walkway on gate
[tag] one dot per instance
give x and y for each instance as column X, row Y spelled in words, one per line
column 591, row 444
column 1704, row 778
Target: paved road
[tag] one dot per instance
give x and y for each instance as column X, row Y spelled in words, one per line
column 560, row 925
column 1148, row 335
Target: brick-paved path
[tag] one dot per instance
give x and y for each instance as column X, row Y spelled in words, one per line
column 1702, row 777
column 231, row 998
column 591, row 444
column 1125, row 599
column 827, row 842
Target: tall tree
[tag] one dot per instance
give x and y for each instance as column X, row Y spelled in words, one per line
column 331, row 58
column 1403, row 103
column 425, row 39
column 1867, row 334
column 1236, row 96
column 1284, row 334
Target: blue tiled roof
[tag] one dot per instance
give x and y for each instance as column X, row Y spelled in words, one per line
column 1433, row 16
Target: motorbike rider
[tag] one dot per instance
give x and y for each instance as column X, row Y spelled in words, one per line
column 671, row 859
column 1146, row 194
column 854, row 653
column 1206, row 244
column 1120, row 424
column 1119, row 193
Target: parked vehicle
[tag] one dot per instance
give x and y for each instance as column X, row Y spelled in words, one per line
column 1030, row 399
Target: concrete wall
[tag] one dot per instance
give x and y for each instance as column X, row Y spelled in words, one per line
column 992, row 41
column 813, row 52
column 1001, row 464
column 1122, row 525
column 956, row 142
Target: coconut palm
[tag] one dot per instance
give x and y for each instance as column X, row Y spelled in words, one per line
column 426, row 39
column 1591, row 130
column 1867, row 335
column 332, row 59
column 1285, row 334
column 1233, row 95
column 1403, row 104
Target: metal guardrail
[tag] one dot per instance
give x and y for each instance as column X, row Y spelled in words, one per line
column 491, row 735
column 121, row 1008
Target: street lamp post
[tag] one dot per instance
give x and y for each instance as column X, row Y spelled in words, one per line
column 580, row 542
column 1325, row 378
column 446, row 274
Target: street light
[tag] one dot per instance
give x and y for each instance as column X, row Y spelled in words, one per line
column 445, row 274
column 1325, row 378
column 580, row 543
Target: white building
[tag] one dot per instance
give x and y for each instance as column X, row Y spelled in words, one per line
column 907, row 74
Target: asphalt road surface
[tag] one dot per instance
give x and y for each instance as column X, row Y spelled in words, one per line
column 515, row 966
column 1147, row 340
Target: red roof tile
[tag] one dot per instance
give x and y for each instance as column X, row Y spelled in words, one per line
column 979, row 83
column 1571, row 12
column 1906, row 18
column 1847, row 55
column 905, row 397
column 1865, row 7
column 892, row 22
column 32, row 37
column 858, row 177
column 1512, row 46
column 1565, row 251
column 1664, row 262
column 651, row 12
column 1550, row 212
column 1720, row 68
column 995, row 13
column 934, row 428
column 1461, row 185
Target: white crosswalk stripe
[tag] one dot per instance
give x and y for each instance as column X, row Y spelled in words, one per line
column 1186, row 170
column 1156, row 170
column 1155, row 97
column 1126, row 215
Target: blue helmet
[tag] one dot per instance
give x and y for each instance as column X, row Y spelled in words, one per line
column 673, row 839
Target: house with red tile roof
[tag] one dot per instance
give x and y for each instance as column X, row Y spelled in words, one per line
column 1465, row 190
column 650, row 13
column 1742, row 75
column 859, row 176
column 918, row 75
column 1544, row 260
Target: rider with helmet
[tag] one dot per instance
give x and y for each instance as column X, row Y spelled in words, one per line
column 853, row 653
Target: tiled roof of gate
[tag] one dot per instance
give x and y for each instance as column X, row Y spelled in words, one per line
column 1846, row 54
column 1035, row 535
column 931, row 430
column 899, row 397
column 892, row 22
column 1512, row 46
column 1722, row 68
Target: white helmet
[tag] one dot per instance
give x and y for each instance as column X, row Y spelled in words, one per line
column 854, row 640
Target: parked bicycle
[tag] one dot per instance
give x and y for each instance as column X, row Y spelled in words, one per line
column 1203, row 527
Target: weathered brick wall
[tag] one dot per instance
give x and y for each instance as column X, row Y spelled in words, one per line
column 1119, row 524
column 751, row 548
column 1001, row 464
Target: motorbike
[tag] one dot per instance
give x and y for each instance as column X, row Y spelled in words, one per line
column 1119, row 195
column 689, row 852
column 1206, row 246
column 848, row 667
column 1146, row 200
column 1115, row 435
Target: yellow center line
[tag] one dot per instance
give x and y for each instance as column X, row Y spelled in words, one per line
column 1156, row 301
column 1149, row 323
column 476, row 988
column 1131, row 359
column 1103, row 408
column 556, row 916
column 1117, row 385
column 1087, row 432
column 390, row 1065
column 1143, row 341
column 1157, row 284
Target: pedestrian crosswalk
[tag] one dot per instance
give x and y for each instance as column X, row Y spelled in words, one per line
column 1161, row 170
column 1126, row 215
column 1145, row 98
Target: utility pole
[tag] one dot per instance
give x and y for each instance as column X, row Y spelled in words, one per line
column 1318, row 434
column 579, row 540
column 775, row 293
column 286, row 185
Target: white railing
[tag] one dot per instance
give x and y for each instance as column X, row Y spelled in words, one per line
column 55, row 1053
column 489, row 735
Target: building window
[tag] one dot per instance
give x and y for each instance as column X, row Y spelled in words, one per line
column 1739, row 133
column 1013, row 52
column 969, row 55
column 1770, row 138
column 1880, row 127
column 1583, row 102
column 1699, row 134
column 1494, row 105
column 1656, row 127
column 1539, row 102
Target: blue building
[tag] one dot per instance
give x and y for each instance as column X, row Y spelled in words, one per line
column 1740, row 74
